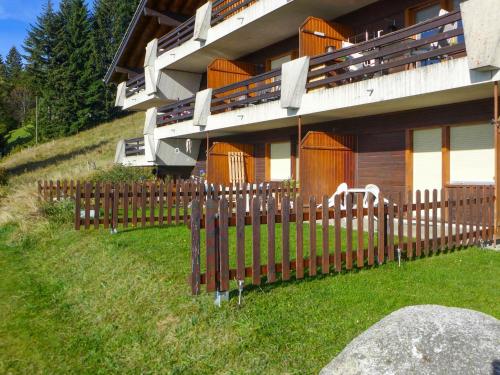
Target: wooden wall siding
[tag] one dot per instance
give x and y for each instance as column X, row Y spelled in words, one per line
column 260, row 57
column 223, row 72
column 311, row 44
column 260, row 162
column 380, row 15
column 327, row 161
column 218, row 168
column 381, row 161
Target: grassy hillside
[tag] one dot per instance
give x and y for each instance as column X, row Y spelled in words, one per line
column 89, row 302
column 65, row 158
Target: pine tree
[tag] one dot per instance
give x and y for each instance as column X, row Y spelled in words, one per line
column 3, row 69
column 74, row 73
column 13, row 64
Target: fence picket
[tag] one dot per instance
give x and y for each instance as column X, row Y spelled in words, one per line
column 65, row 189
column 458, row 221
column 144, row 199
column 211, row 243
column 87, row 190
column 465, row 208
column 115, row 205
column 177, row 203
column 161, row 203
column 418, row 224
column 338, row 234
column 125, row 204
column 381, row 228
column 107, row 204
column 299, row 230
column 97, row 204
column 195, row 247
column 51, row 191
column 78, row 201
column 223, row 244
column 134, row 204
column 256, row 241
column 312, row 237
column 240, row 237
column 390, row 240
column 169, row 203
column 443, row 216
column 348, row 254
column 360, row 261
column 185, row 202
column 371, row 230
column 451, row 203
column 325, row 222
column 58, row 190
column 491, row 212
column 401, row 203
column 152, row 201
column 271, row 240
column 409, row 229
column 477, row 215
column 434, row 221
column 285, row 238
column 427, row 226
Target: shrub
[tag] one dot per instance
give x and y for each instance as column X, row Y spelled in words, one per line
column 60, row 212
column 4, row 177
column 120, row 173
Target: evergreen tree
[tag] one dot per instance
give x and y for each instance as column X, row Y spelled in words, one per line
column 13, row 64
column 3, row 69
column 74, row 72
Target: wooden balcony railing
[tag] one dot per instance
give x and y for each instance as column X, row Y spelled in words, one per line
column 136, row 84
column 179, row 111
column 224, row 9
column 134, row 147
column 424, row 44
column 259, row 89
column 177, row 36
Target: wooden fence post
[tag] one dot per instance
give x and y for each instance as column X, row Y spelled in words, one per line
column 195, row 248
column 77, row 206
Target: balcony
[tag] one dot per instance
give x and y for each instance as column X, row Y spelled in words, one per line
column 135, row 85
column 409, row 68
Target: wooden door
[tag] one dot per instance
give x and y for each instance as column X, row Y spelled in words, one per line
column 327, row 160
column 218, row 165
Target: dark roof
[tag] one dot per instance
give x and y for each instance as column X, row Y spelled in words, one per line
column 143, row 29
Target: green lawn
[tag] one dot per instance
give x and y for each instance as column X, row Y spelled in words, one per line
column 91, row 302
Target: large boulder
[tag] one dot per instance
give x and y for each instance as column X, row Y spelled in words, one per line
column 425, row 339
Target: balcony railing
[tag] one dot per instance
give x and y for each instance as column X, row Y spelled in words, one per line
column 221, row 10
column 134, row 147
column 256, row 90
column 179, row 111
column 134, row 85
column 177, row 36
column 224, row 9
column 424, row 44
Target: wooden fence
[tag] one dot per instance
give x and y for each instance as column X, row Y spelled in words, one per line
column 360, row 235
column 149, row 203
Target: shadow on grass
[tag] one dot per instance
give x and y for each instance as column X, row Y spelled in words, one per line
column 57, row 158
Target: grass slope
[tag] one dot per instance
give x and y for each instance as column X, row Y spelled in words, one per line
column 90, row 302
column 66, row 158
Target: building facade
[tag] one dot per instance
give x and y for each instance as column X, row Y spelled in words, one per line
column 394, row 93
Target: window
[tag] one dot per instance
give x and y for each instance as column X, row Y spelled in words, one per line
column 427, row 159
column 280, row 161
column 472, row 154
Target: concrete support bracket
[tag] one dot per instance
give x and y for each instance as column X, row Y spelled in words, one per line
column 293, row 82
column 150, row 78
column 120, row 151
column 150, row 122
column 149, row 148
column 121, row 94
column 482, row 33
column 202, row 22
column 202, row 107
column 151, row 53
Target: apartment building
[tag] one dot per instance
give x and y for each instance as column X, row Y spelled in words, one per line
column 394, row 93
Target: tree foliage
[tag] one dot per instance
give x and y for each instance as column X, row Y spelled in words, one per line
column 66, row 54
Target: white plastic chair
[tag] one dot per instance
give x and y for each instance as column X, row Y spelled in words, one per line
column 375, row 190
column 341, row 189
column 356, row 67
